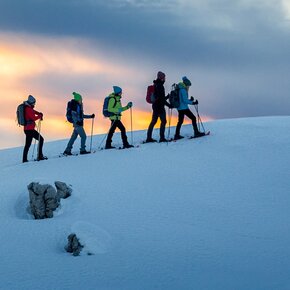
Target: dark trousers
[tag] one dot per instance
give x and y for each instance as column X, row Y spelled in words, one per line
column 114, row 125
column 30, row 134
column 188, row 114
column 157, row 113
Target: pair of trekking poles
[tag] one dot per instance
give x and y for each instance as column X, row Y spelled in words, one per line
column 199, row 121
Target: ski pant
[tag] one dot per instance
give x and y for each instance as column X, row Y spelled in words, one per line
column 114, row 125
column 30, row 134
column 157, row 113
column 189, row 114
column 78, row 130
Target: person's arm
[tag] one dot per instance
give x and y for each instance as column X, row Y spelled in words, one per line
column 32, row 115
column 184, row 97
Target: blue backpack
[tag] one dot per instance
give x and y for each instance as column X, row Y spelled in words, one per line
column 68, row 112
column 106, row 113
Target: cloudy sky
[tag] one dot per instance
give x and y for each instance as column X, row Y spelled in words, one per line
column 236, row 53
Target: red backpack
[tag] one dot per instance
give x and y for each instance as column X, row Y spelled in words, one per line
column 150, row 97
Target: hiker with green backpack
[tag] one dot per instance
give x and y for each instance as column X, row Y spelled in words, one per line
column 183, row 109
column 113, row 109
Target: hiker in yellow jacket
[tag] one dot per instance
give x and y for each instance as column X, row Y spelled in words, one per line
column 115, row 107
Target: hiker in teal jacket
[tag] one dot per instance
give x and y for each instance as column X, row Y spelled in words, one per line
column 116, row 108
column 183, row 109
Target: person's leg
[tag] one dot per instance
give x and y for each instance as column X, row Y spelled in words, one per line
column 81, row 131
column 155, row 116
column 123, row 134
column 179, row 124
column 39, row 138
column 162, row 116
column 28, row 141
column 71, row 141
column 111, row 133
column 191, row 116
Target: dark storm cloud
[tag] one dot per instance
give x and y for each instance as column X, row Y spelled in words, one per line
column 243, row 44
column 160, row 31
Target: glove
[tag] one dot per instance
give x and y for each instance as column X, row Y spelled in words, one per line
column 41, row 116
column 195, row 103
column 93, row 116
column 191, row 98
column 130, row 104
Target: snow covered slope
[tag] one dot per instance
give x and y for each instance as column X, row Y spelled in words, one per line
column 207, row 213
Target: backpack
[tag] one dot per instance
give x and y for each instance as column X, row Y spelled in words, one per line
column 150, row 97
column 68, row 112
column 174, row 99
column 20, row 115
column 106, row 113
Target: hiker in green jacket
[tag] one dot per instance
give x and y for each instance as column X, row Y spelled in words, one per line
column 116, row 108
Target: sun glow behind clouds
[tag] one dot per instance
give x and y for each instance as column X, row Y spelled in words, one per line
column 22, row 59
column 50, row 69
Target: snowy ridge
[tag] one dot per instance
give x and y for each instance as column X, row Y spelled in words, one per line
column 207, row 213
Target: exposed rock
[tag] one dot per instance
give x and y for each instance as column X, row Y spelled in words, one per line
column 44, row 199
column 74, row 246
column 63, row 190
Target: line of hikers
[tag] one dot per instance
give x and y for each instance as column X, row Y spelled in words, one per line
column 113, row 109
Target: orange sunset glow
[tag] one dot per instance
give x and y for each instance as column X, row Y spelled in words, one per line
column 50, row 70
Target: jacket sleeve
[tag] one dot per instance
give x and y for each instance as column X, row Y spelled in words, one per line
column 87, row 116
column 184, row 97
column 115, row 106
column 31, row 115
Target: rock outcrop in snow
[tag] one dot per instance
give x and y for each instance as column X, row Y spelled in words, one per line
column 74, row 246
column 44, row 199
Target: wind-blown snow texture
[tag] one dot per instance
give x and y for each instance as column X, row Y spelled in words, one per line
column 207, row 213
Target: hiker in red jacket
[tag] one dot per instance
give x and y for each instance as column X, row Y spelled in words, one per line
column 31, row 116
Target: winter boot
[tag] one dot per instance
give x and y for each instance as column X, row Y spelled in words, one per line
column 67, row 153
column 178, row 137
column 199, row 134
column 163, row 140
column 150, row 140
column 109, row 147
column 83, row 152
column 126, row 146
column 41, row 157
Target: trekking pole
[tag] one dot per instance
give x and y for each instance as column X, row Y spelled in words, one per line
column 37, row 127
column 92, row 132
column 169, row 123
column 131, row 125
column 199, row 119
column 38, row 147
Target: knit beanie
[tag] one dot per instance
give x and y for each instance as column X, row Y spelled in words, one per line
column 160, row 75
column 77, row 97
column 117, row 90
column 186, row 81
column 31, row 100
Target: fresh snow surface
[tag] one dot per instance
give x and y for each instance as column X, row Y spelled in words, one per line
column 207, row 213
